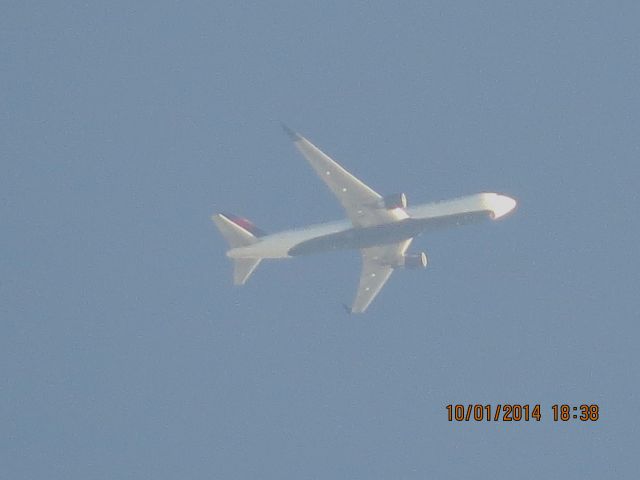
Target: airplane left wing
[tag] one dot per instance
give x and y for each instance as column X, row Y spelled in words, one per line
column 377, row 266
column 359, row 200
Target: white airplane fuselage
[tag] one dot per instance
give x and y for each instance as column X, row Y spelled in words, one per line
column 342, row 235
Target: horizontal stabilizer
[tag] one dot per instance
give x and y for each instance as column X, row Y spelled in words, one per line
column 243, row 268
column 238, row 232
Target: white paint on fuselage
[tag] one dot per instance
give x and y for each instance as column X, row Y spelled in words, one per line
column 499, row 205
column 278, row 245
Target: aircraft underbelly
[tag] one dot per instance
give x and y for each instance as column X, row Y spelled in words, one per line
column 389, row 233
column 356, row 238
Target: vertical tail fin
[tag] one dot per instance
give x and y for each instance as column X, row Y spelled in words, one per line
column 239, row 232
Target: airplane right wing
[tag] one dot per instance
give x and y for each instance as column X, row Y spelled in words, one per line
column 372, row 279
column 359, row 200
column 377, row 267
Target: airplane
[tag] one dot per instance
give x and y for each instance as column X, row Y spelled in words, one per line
column 381, row 227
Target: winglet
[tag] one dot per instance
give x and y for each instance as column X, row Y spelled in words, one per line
column 293, row 135
column 346, row 308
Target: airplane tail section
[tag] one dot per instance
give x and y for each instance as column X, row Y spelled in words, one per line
column 239, row 232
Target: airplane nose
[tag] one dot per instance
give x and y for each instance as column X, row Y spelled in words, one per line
column 502, row 205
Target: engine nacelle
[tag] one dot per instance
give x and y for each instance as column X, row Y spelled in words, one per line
column 396, row 200
column 418, row 260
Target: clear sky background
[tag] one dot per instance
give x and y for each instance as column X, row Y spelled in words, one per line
column 125, row 352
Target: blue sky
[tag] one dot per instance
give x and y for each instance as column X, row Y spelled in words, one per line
column 127, row 353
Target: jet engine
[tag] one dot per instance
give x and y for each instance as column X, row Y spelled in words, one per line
column 396, row 200
column 415, row 261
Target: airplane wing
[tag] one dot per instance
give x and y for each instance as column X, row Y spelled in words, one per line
column 360, row 201
column 377, row 267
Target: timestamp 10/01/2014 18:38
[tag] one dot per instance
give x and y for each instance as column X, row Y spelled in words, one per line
column 515, row 412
